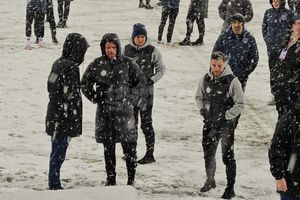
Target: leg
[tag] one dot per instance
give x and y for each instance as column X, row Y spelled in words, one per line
column 163, row 20
column 201, row 28
column 51, row 20
column 60, row 10
column 190, row 18
column 29, row 20
column 57, row 157
column 66, row 11
column 172, row 18
column 39, row 28
column 110, row 163
column 131, row 162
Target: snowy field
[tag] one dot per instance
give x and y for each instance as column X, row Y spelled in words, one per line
column 179, row 171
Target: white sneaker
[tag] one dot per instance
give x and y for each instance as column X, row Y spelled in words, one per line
column 28, row 43
column 41, row 43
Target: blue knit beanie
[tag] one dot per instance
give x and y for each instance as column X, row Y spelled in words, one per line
column 139, row 29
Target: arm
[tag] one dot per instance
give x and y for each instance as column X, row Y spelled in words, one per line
column 200, row 94
column 87, row 83
column 159, row 66
column 264, row 27
column 236, row 93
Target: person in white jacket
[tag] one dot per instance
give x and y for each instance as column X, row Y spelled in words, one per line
column 220, row 100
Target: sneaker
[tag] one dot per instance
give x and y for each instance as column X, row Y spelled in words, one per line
column 131, row 182
column 36, row 40
column 41, row 43
column 272, row 102
column 208, row 185
column 148, row 6
column 146, row 160
column 159, row 42
column 125, row 156
column 198, row 42
column 185, row 42
column 64, row 24
column 110, row 182
column 228, row 193
column 142, row 5
column 59, row 24
column 54, row 39
column 28, row 44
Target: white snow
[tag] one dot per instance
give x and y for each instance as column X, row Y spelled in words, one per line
column 179, row 171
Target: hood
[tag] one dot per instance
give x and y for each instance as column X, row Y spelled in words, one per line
column 111, row 37
column 227, row 71
column 75, row 47
column 282, row 3
column 148, row 42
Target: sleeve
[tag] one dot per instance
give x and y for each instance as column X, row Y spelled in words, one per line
column 278, row 155
column 200, row 94
column 218, row 45
column 264, row 27
column 88, row 82
column 159, row 66
column 236, row 93
column 248, row 11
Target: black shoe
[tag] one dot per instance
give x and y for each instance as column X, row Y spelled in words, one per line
column 125, row 156
column 208, row 185
column 146, row 160
column 130, row 182
column 56, row 188
column 110, row 181
column 64, row 24
column 36, row 40
column 142, row 5
column 54, row 39
column 148, row 6
column 198, row 42
column 59, row 24
column 185, row 42
column 228, row 193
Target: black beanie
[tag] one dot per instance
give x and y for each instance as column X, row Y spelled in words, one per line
column 237, row 17
column 139, row 29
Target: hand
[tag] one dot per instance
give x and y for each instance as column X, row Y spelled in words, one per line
column 281, row 185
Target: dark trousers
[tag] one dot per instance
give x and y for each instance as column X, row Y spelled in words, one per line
column 210, row 140
column 57, row 157
column 172, row 15
column 51, row 20
column 63, row 10
column 285, row 197
column 38, row 24
column 191, row 17
column 110, row 160
column 146, row 124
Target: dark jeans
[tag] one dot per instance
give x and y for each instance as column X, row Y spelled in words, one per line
column 63, row 10
column 191, row 17
column 51, row 20
column 172, row 15
column 110, row 160
column 210, row 140
column 285, row 197
column 38, row 24
column 57, row 157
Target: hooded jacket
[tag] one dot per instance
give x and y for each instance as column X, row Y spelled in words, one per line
column 234, row 94
column 64, row 113
column 241, row 50
column 116, row 87
column 275, row 27
column 36, row 6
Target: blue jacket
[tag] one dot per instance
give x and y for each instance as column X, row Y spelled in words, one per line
column 275, row 27
column 241, row 51
column 170, row 4
column 36, row 6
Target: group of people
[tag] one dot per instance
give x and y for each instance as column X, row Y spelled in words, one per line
column 121, row 84
column 36, row 11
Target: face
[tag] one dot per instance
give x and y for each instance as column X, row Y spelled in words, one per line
column 296, row 26
column 276, row 4
column 237, row 27
column 139, row 40
column 217, row 67
column 111, row 50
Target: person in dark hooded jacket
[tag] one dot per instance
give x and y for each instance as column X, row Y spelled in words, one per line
column 64, row 113
column 198, row 10
column 294, row 6
column 227, row 8
column 118, row 85
column 284, row 154
column 275, row 27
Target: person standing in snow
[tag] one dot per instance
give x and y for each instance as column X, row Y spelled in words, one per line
column 284, row 154
column 35, row 11
column 276, row 24
column 240, row 47
column 114, row 82
column 64, row 113
column 294, row 6
column 170, row 9
column 198, row 10
column 220, row 100
column 50, row 18
column 146, row 6
column 150, row 61
column 227, row 8
column 63, row 7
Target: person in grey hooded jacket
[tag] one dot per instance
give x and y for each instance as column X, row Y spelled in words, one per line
column 220, row 100
column 150, row 61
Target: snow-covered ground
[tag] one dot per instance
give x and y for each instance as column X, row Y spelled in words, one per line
column 179, row 171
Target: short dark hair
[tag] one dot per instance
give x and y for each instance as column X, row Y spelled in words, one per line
column 218, row 55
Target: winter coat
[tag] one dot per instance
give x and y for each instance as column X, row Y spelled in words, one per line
column 170, row 4
column 241, row 50
column 64, row 114
column 294, row 6
column 199, row 7
column 220, row 99
column 118, row 87
column 149, row 60
column 275, row 27
column 227, row 8
column 36, row 6
column 284, row 153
